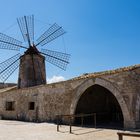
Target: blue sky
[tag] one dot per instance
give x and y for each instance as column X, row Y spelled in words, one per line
column 101, row 34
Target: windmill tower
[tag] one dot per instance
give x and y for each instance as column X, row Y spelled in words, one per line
column 32, row 69
column 32, row 63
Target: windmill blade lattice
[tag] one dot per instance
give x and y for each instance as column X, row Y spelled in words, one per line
column 9, row 43
column 8, row 67
column 26, row 25
column 52, row 33
column 58, row 59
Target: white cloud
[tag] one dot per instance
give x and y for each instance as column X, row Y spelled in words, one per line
column 55, row 79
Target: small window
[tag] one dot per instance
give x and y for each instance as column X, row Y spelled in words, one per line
column 10, row 106
column 31, row 105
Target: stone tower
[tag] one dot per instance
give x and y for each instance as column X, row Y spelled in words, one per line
column 32, row 68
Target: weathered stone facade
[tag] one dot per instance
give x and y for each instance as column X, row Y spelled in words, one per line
column 62, row 98
column 32, row 69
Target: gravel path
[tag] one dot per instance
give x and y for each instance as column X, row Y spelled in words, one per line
column 15, row 130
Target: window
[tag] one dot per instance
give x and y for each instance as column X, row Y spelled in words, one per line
column 10, row 105
column 31, row 105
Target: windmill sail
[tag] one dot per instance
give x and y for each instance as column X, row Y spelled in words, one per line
column 8, row 67
column 7, row 42
column 26, row 25
column 52, row 33
column 58, row 59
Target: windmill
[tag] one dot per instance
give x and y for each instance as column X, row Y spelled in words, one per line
column 32, row 63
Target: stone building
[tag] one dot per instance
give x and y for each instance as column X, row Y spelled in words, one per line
column 114, row 95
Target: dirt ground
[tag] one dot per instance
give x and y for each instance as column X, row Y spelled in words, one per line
column 15, row 130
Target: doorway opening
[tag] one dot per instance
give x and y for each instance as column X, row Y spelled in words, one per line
column 99, row 100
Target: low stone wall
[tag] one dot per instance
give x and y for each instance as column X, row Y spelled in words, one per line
column 5, row 85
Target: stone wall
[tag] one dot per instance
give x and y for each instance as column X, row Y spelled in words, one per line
column 61, row 98
column 5, row 85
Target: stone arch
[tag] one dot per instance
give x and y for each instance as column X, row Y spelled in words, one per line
column 128, row 120
column 137, row 113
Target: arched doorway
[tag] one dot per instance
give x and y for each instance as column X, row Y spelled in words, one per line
column 114, row 89
column 99, row 100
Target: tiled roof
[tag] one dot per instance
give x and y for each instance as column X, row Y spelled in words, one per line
column 108, row 72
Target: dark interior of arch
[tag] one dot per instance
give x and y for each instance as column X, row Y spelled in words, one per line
column 101, row 101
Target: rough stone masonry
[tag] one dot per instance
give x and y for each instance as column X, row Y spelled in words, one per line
column 120, row 88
